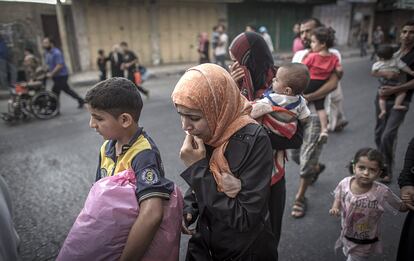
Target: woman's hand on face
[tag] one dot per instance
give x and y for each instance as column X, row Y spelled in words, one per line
column 229, row 185
column 193, row 150
column 236, row 72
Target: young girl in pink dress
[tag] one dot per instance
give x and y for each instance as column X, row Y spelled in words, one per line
column 360, row 200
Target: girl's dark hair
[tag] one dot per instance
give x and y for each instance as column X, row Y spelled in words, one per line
column 325, row 35
column 371, row 154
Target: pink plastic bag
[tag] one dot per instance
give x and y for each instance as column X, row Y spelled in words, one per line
column 101, row 230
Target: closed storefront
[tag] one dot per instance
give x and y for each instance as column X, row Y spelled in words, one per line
column 179, row 26
column 337, row 16
column 278, row 18
column 158, row 31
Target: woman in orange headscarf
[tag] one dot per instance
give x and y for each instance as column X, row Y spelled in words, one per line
column 223, row 142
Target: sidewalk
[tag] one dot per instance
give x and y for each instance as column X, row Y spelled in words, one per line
column 91, row 77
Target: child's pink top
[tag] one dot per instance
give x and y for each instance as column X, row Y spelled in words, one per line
column 297, row 45
column 321, row 67
column 361, row 216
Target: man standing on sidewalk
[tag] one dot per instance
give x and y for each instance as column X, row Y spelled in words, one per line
column 58, row 70
column 308, row 155
column 130, row 61
column 221, row 49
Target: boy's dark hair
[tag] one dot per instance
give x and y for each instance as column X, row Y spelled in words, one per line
column 297, row 78
column 116, row 96
column 100, row 51
column 325, row 35
column 371, row 154
column 123, row 44
column 312, row 19
column 408, row 23
column 385, row 51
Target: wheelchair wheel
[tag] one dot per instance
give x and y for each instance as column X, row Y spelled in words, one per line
column 44, row 105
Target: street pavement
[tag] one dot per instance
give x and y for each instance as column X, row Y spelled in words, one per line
column 50, row 167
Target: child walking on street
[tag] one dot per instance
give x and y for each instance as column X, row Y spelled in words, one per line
column 321, row 64
column 388, row 62
column 360, row 201
column 153, row 230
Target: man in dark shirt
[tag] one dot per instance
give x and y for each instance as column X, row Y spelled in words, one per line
column 406, row 182
column 130, row 61
column 387, row 128
column 101, row 63
column 58, row 71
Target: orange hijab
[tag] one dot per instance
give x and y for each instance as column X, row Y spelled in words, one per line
column 210, row 89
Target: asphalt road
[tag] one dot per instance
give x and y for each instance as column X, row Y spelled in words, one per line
column 50, row 166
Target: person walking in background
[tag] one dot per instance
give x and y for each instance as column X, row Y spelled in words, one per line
column 297, row 42
column 266, row 36
column 58, row 71
column 129, row 63
column 363, row 41
column 392, row 33
column 308, row 154
column 101, row 63
column 361, row 201
column 221, row 49
column 115, row 59
column 214, row 41
column 3, row 63
column 406, row 183
column 321, row 64
column 386, row 129
column 387, row 63
column 203, row 48
column 8, row 73
column 377, row 39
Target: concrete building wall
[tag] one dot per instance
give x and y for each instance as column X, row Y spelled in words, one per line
column 159, row 31
column 27, row 13
column 21, row 24
column 398, row 18
column 337, row 16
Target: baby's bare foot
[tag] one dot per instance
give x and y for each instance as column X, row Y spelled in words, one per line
column 400, row 107
column 382, row 114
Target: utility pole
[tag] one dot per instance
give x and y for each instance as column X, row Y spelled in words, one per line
column 155, row 33
column 63, row 35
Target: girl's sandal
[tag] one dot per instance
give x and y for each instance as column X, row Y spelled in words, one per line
column 299, row 208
